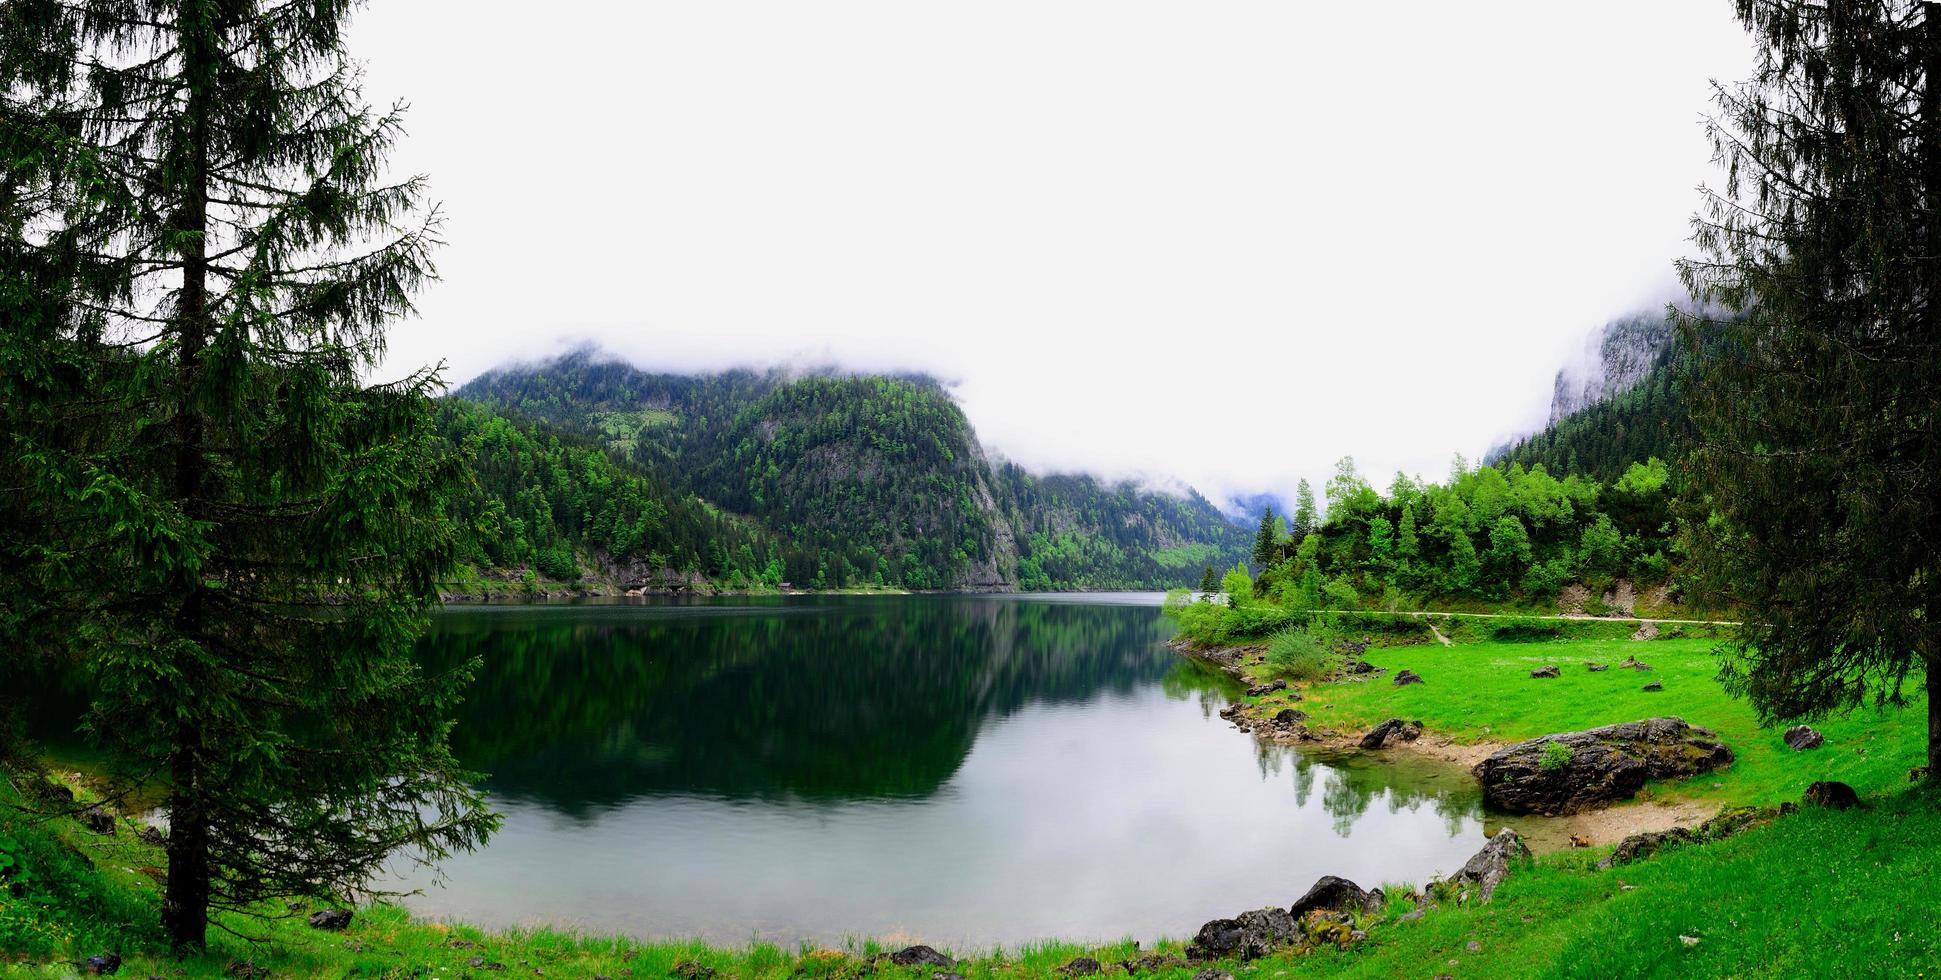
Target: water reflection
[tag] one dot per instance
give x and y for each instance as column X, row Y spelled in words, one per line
column 586, row 706
column 956, row 769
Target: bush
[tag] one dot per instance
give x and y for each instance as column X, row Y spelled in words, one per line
column 1301, row 653
column 1556, row 755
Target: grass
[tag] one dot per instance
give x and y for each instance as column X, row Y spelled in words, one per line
column 1484, row 692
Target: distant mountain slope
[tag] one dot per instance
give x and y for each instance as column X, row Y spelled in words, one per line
column 867, row 479
column 1626, row 407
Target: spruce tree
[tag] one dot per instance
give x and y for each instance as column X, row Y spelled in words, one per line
column 1817, row 402
column 1306, row 518
column 1264, row 544
column 262, row 533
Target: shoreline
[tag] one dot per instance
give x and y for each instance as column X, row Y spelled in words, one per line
column 1544, row 834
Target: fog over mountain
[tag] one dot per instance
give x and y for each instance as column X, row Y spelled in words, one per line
column 1110, row 227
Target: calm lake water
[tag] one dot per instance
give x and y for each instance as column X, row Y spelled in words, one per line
column 961, row 770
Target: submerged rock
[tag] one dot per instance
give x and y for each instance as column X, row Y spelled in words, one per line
column 1832, row 795
column 1801, row 738
column 1606, row 765
column 1487, row 868
column 1249, row 936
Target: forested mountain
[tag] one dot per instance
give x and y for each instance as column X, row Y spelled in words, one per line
column 1628, row 407
column 824, row 481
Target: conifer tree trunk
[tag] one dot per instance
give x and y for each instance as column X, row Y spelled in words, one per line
column 1931, row 194
column 185, row 906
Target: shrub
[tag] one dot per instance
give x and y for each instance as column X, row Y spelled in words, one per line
column 1302, row 652
column 1556, row 755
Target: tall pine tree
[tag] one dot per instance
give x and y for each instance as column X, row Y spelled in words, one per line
column 1818, row 402
column 266, row 536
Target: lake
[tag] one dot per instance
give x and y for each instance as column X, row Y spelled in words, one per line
column 959, row 770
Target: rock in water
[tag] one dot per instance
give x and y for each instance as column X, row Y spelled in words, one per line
column 1606, row 765
column 1249, row 937
column 1335, row 895
column 1548, row 670
column 1407, row 677
column 1832, row 795
column 332, row 919
column 1801, row 738
column 1488, row 867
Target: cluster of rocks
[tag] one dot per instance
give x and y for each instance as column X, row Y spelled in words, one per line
column 1394, row 728
column 1262, row 690
column 1605, row 765
column 1285, row 724
column 1330, row 911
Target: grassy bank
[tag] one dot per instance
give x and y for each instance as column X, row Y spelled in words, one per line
column 1483, row 692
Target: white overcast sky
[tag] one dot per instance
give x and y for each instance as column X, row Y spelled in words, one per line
column 1223, row 242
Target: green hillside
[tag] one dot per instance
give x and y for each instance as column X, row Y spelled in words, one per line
column 838, row 481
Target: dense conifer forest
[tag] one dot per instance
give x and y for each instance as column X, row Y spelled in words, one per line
column 750, row 480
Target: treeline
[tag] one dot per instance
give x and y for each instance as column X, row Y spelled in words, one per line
column 1496, row 533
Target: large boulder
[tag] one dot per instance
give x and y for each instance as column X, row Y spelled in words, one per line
column 1336, row 895
column 1487, row 868
column 1605, row 765
column 1249, row 936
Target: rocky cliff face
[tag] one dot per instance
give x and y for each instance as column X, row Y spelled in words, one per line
column 1615, row 358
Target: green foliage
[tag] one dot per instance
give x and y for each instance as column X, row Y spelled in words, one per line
column 1302, row 653
column 1556, row 755
column 1490, row 534
column 211, row 217
column 1817, row 393
column 847, row 481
